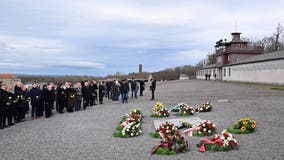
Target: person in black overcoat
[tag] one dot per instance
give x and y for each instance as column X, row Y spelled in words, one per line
column 35, row 95
column 61, row 98
column 49, row 98
column 71, row 99
column 4, row 104
column 86, row 94
column 101, row 91
column 153, row 88
column 142, row 86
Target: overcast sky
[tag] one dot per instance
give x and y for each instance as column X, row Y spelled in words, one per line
column 95, row 37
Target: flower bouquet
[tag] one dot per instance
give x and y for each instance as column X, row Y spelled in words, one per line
column 130, row 125
column 165, row 129
column 205, row 107
column 137, row 111
column 224, row 142
column 186, row 110
column 172, row 143
column 160, row 111
column 177, row 107
column 243, row 126
column 205, row 128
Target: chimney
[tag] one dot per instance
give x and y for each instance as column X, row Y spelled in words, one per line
column 140, row 68
column 236, row 36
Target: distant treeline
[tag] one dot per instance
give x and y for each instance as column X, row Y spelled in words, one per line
column 55, row 79
column 167, row 74
column 174, row 73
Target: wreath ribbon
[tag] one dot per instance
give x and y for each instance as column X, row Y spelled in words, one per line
column 208, row 141
column 162, row 144
column 190, row 131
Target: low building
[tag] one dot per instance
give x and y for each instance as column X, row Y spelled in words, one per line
column 266, row 68
column 10, row 80
column 183, row 77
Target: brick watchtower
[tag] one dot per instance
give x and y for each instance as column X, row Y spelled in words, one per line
column 236, row 49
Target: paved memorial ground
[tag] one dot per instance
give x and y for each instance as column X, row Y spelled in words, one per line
column 88, row 134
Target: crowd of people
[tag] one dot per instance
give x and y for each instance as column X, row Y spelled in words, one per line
column 42, row 100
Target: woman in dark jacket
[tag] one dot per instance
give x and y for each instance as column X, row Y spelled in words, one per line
column 20, row 103
column 115, row 92
column 61, row 98
column 124, row 89
column 101, row 91
column 71, row 99
column 49, row 98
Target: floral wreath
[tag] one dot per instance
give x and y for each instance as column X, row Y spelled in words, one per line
column 205, row 128
column 205, row 107
column 243, row 126
column 130, row 125
column 159, row 111
column 224, row 142
column 172, row 142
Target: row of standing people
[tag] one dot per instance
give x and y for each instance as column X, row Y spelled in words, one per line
column 122, row 88
column 43, row 99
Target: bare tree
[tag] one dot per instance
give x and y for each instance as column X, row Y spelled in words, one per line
column 277, row 35
column 211, row 58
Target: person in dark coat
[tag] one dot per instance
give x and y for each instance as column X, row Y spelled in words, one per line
column 86, row 94
column 26, row 101
column 20, row 102
column 49, row 98
column 93, row 93
column 115, row 92
column 4, row 104
column 124, row 89
column 134, row 88
column 11, row 109
column 153, row 88
column 41, row 109
column 101, row 91
column 35, row 95
column 108, row 89
column 78, row 97
column 142, row 86
column 61, row 98
column 71, row 100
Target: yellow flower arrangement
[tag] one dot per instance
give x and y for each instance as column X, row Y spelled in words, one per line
column 243, row 126
column 159, row 111
column 158, row 106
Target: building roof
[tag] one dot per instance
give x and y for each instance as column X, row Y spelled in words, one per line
column 262, row 57
column 7, row 76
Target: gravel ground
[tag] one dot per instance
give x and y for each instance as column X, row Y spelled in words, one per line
column 88, row 134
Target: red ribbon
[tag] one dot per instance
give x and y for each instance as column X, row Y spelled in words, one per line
column 189, row 133
column 208, row 141
column 124, row 123
column 162, row 144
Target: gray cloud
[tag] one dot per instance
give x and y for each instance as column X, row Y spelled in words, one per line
column 109, row 35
